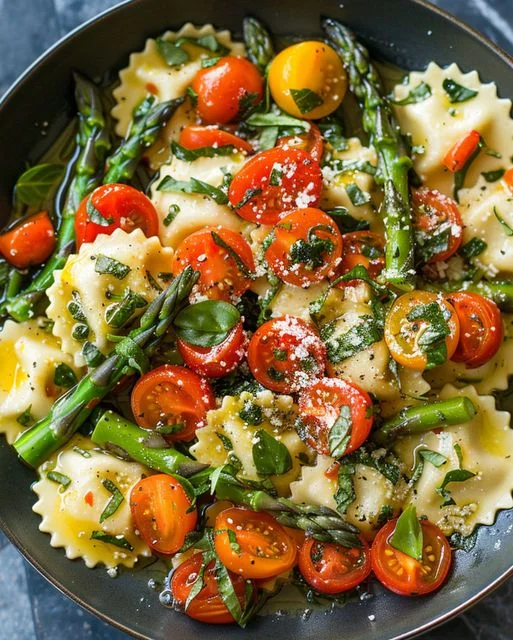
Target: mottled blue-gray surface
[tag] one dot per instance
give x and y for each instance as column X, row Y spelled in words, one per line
column 30, row 608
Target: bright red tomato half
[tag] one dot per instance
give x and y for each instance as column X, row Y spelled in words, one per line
column 194, row 137
column 30, row 242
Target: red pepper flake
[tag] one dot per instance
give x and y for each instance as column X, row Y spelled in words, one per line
column 89, row 498
column 332, row 472
column 151, row 88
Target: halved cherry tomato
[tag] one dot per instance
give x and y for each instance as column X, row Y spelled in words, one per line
column 172, row 396
column 481, row 328
column 258, row 547
column 194, row 137
column 363, row 248
column 311, row 141
column 30, row 242
column 508, row 178
column 285, row 354
column 403, row 574
column 306, row 247
column 162, row 512
column 458, row 155
column 127, row 207
column 332, row 568
column 407, row 336
column 215, row 362
column 224, row 274
column 227, row 89
column 320, row 405
column 208, row 605
column 436, row 214
column 275, row 181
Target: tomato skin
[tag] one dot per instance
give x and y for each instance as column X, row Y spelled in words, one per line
column 319, row 407
column 412, row 580
column 481, row 328
column 363, row 248
column 340, row 569
column 279, row 350
column 172, row 394
column 312, row 142
column 215, row 362
column 304, row 226
column 508, row 179
column 30, row 242
column 195, row 137
column 432, row 210
column 220, row 276
column 128, row 207
column 458, row 155
column 299, row 185
column 162, row 512
column 265, row 548
column 221, row 88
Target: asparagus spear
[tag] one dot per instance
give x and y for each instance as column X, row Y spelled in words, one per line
column 259, row 46
column 393, row 164
column 72, row 409
column 425, row 417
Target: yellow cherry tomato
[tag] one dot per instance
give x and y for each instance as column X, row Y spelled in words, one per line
column 415, row 328
column 308, row 80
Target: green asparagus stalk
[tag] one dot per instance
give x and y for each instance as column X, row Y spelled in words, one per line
column 393, row 164
column 70, row 411
column 425, row 417
column 259, row 46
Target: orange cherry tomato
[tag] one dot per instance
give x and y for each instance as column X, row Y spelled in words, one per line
column 275, row 181
column 285, row 354
column 126, row 207
column 227, row 89
column 363, row 248
column 194, row 137
column 208, row 605
column 332, row 568
column 458, row 155
column 434, row 214
column 172, row 396
column 320, row 405
column 258, row 547
column 311, row 142
column 217, row 361
column 306, row 247
column 481, row 328
column 30, row 242
column 162, row 512
column 222, row 277
column 405, row 334
column 508, row 179
column 405, row 575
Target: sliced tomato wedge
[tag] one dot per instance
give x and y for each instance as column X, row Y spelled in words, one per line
column 362, row 248
column 457, row 156
column 163, row 513
column 405, row 575
column 30, row 242
column 275, row 181
column 172, row 400
column 285, row 354
column 312, row 142
column 481, row 328
column 195, row 137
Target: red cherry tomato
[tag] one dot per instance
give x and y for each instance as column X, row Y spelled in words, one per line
column 458, row 155
column 222, row 276
column 481, row 328
column 508, row 179
column 215, row 362
column 403, row 574
column 273, row 182
column 193, row 137
column 332, row 568
column 311, row 141
column 227, row 89
column 127, row 207
column 30, row 242
column 363, row 248
column 172, row 395
column 306, row 247
column 286, row 354
column 320, row 405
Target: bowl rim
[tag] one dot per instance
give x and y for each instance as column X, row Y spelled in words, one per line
column 18, row 544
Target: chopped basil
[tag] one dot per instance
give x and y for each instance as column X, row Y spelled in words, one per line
column 64, row 376
column 95, row 216
column 507, row 229
column 276, row 118
column 251, row 413
column 311, row 251
column 275, row 375
column 199, row 581
column 356, row 339
column 472, row 248
column 464, row 543
column 333, row 133
column 418, row 94
column 306, row 100
column 227, row 443
column 193, row 96
column 174, row 209
column 83, row 452
column 456, row 92
column 174, row 54
column 153, row 283
column 345, row 221
column 265, row 301
column 386, row 514
column 75, row 307
column 349, row 166
column 80, row 332
column 247, row 104
column 170, row 185
column 115, row 501
column 25, row 418
column 493, row 176
column 92, row 355
column 435, row 458
column 345, row 493
column 250, row 193
column 432, row 339
column 456, row 475
column 106, row 265
column 359, row 272
column 241, row 265
column 275, row 177
column 117, row 541
column 340, row 432
column 137, row 358
column 117, row 315
column 429, row 244
column 459, row 176
column 168, row 429
column 271, row 457
column 267, row 138
column 207, row 323
column 35, row 183
column 209, row 62
column 407, row 536
column 387, row 465
column 189, row 155
column 356, row 195
column 59, row 478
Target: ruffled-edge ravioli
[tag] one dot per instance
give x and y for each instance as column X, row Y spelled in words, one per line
column 71, row 514
column 29, row 356
column 436, row 125
column 486, row 444
column 148, row 72
column 98, row 291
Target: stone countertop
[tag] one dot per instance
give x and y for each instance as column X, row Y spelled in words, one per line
column 30, row 608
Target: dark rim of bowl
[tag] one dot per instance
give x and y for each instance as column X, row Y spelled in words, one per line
column 33, row 68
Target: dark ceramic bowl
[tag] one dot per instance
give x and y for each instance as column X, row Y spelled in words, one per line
column 408, row 33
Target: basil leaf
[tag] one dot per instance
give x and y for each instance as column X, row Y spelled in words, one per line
column 271, row 458
column 310, row 252
column 227, row 592
column 25, row 418
column 193, row 96
column 276, row 118
column 35, row 183
column 345, row 493
column 429, row 244
column 170, row 185
column 92, row 355
column 359, row 337
column 207, row 323
column 75, row 307
column 456, row 475
column 306, row 100
column 340, row 432
column 407, row 536
column 432, row 339
column 386, row 465
column 59, row 478
column 209, row 62
column 472, row 248
column 418, row 94
column 119, row 313
column 227, row 443
column 96, row 216
column 251, row 413
column 136, row 357
column 174, row 209
column 172, row 52
column 117, row 541
column 333, row 133
column 435, row 458
column 64, row 376
column 360, row 273
column 189, row 155
column 110, row 266
column 459, row 176
column 248, row 195
column 493, row 176
column 345, row 221
column 456, row 92
column 247, row 104
column 508, row 230
column 356, row 195
column 153, row 283
column 267, row 138
column 199, row 583
column 114, row 503
column 349, row 166
column 241, row 265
